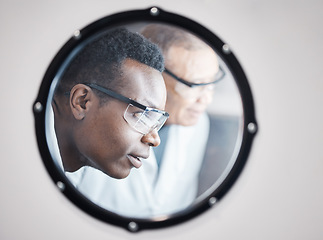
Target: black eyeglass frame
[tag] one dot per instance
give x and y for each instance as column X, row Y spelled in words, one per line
column 115, row 95
column 192, row 85
column 124, row 99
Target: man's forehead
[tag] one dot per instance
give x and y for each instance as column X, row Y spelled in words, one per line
column 144, row 84
column 154, row 95
column 195, row 66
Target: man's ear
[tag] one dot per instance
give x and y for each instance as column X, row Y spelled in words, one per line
column 81, row 99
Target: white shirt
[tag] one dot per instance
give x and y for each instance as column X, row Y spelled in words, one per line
column 51, row 138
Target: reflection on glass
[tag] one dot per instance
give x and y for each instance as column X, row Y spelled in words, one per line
column 199, row 141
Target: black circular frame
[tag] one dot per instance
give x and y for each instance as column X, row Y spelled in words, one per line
column 79, row 37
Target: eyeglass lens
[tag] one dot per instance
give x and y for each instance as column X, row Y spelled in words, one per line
column 195, row 92
column 144, row 121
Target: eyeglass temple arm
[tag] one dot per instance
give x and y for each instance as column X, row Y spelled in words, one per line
column 115, row 95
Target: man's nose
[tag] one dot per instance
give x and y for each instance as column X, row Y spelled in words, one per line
column 152, row 138
column 206, row 97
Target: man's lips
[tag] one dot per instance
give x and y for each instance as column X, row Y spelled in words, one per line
column 195, row 112
column 135, row 161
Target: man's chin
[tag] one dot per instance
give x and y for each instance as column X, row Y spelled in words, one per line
column 118, row 175
column 190, row 121
column 191, row 118
column 117, row 172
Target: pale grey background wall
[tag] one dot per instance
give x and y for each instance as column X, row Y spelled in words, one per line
column 279, row 194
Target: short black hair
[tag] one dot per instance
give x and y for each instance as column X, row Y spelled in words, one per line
column 101, row 60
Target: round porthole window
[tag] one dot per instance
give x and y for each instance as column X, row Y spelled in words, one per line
column 144, row 119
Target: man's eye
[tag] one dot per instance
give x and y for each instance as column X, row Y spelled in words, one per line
column 137, row 114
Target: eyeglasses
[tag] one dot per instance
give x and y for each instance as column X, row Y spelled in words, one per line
column 190, row 90
column 219, row 76
column 142, row 118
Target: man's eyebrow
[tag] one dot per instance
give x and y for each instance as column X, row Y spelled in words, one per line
column 200, row 79
column 150, row 104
